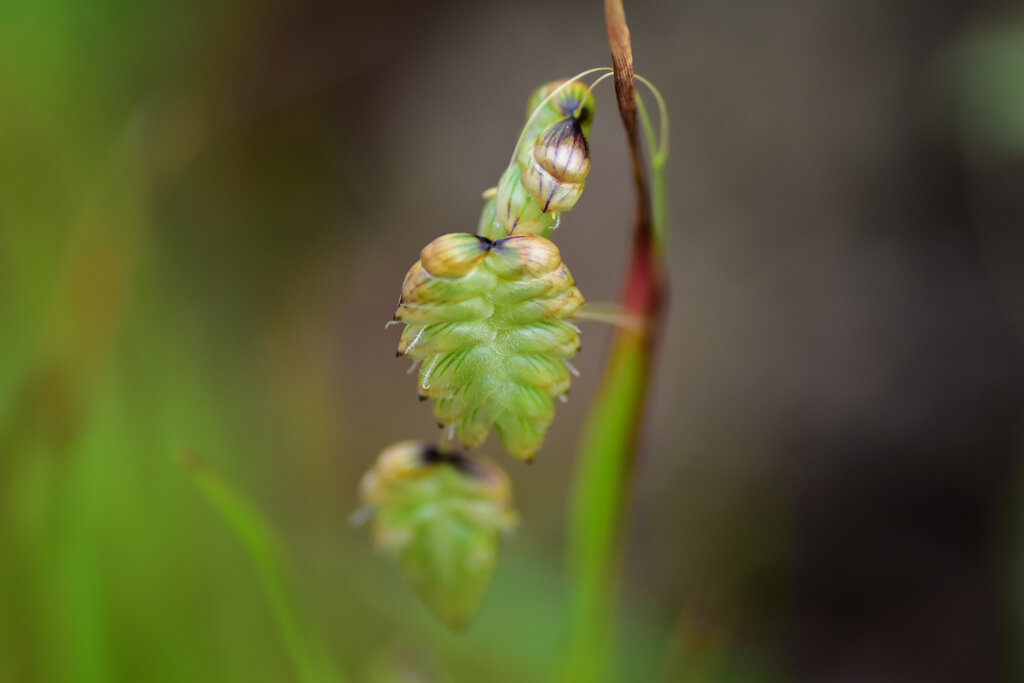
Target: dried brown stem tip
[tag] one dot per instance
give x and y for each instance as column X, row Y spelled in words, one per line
column 625, row 92
column 645, row 285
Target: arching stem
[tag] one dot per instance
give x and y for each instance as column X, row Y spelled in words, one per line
column 608, row 447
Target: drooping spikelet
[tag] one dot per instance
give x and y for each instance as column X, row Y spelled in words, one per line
column 550, row 168
column 488, row 321
column 441, row 515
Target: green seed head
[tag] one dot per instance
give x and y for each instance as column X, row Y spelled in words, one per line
column 488, row 321
column 441, row 515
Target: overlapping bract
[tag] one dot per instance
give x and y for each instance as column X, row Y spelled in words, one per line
column 441, row 515
column 487, row 320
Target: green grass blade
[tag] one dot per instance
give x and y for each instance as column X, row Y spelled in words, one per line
column 266, row 553
column 598, row 505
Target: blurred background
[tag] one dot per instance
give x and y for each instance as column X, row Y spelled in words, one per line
column 207, row 209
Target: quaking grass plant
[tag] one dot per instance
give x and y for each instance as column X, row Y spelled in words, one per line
column 489, row 323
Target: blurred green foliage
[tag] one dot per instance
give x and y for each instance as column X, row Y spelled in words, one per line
column 983, row 74
column 265, row 551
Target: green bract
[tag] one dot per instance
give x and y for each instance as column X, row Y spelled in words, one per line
column 441, row 514
column 488, row 321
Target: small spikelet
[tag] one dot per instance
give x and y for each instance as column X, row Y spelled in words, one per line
column 550, row 168
column 487, row 320
column 441, row 515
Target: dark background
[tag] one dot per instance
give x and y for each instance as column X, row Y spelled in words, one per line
column 207, row 209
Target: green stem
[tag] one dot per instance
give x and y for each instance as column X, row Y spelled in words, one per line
column 658, row 159
column 608, row 446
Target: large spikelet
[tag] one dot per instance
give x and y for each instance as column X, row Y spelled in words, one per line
column 487, row 320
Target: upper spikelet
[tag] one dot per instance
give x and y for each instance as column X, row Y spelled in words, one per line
column 487, row 319
column 550, row 168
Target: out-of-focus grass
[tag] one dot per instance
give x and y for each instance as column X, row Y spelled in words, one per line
column 267, row 555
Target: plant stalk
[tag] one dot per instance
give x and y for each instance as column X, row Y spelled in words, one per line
column 608, row 447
